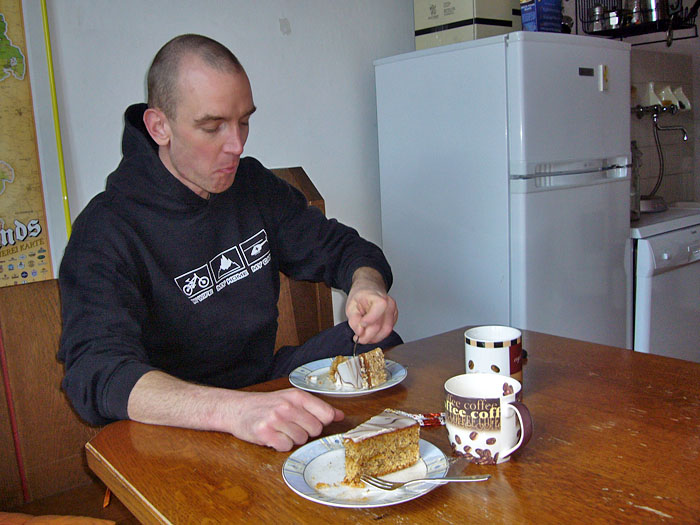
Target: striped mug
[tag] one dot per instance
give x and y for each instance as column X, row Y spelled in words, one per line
column 494, row 350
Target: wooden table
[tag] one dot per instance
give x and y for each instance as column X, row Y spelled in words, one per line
column 616, row 440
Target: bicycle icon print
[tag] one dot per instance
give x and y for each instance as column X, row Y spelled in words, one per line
column 195, row 281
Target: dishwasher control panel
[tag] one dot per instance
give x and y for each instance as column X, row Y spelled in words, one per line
column 673, row 249
column 694, row 251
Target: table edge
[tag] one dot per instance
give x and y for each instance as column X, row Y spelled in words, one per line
column 121, row 488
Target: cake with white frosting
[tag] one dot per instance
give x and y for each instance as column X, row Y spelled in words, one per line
column 383, row 444
column 362, row 372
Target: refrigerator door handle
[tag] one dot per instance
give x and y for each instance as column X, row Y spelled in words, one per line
column 531, row 176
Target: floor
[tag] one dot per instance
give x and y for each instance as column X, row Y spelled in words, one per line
column 86, row 500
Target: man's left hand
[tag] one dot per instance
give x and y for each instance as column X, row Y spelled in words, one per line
column 371, row 311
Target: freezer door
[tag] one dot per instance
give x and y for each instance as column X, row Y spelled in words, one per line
column 571, row 258
column 568, row 99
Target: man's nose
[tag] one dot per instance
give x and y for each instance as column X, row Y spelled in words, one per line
column 234, row 142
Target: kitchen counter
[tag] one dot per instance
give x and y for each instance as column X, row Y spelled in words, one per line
column 661, row 222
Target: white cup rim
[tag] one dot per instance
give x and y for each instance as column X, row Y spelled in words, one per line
column 492, row 333
column 494, row 381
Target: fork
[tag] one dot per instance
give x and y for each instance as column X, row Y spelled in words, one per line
column 393, row 485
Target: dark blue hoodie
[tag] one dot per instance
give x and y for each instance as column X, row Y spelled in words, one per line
column 155, row 277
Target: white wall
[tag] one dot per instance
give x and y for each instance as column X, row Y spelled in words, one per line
column 310, row 65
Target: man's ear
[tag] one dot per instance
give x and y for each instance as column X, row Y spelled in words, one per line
column 157, row 125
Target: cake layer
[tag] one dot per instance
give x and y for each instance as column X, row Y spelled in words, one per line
column 361, row 372
column 383, row 444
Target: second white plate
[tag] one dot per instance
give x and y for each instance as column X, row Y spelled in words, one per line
column 300, row 378
column 316, row 470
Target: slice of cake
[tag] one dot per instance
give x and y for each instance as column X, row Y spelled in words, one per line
column 385, row 443
column 364, row 371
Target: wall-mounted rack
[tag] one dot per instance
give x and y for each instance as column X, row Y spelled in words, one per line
column 626, row 18
column 654, row 110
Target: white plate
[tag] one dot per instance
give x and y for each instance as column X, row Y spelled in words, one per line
column 316, row 470
column 324, row 385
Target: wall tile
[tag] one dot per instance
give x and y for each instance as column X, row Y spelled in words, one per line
column 679, row 180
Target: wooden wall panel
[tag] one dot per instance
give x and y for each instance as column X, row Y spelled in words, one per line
column 52, row 436
column 10, row 484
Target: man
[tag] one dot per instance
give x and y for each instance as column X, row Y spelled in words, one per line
column 170, row 280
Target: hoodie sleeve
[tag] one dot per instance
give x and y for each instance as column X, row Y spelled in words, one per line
column 102, row 310
column 314, row 248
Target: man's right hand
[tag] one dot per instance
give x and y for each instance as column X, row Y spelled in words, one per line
column 280, row 419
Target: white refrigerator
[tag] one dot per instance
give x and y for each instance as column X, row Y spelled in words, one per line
column 505, row 187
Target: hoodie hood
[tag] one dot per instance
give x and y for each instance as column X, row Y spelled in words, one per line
column 141, row 174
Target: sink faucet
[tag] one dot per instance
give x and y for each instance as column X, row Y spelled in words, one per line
column 658, row 126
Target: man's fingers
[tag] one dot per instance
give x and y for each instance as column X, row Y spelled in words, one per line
column 377, row 306
column 319, row 409
column 304, row 417
column 270, row 437
column 282, row 419
column 282, row 434
column 378, row 323
column 368, row 325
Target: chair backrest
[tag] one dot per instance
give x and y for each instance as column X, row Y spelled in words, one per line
column 41, row 438
column 305, row 308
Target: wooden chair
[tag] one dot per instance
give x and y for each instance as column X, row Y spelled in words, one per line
column 41, row 437
column 305, row 308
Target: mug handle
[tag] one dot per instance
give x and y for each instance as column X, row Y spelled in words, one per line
column 525, row 420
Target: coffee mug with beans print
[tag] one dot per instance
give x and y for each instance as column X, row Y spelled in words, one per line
column 485, row 423
column 494, row 350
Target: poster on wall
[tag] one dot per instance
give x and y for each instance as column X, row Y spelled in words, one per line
column 27, row 158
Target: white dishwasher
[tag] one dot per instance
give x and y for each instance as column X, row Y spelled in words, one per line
column 667, row 284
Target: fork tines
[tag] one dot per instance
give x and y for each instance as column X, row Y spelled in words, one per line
column 379, row 483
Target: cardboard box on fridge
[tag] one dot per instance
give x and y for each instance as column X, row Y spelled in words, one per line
column 541, row 15
column 440, row 22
